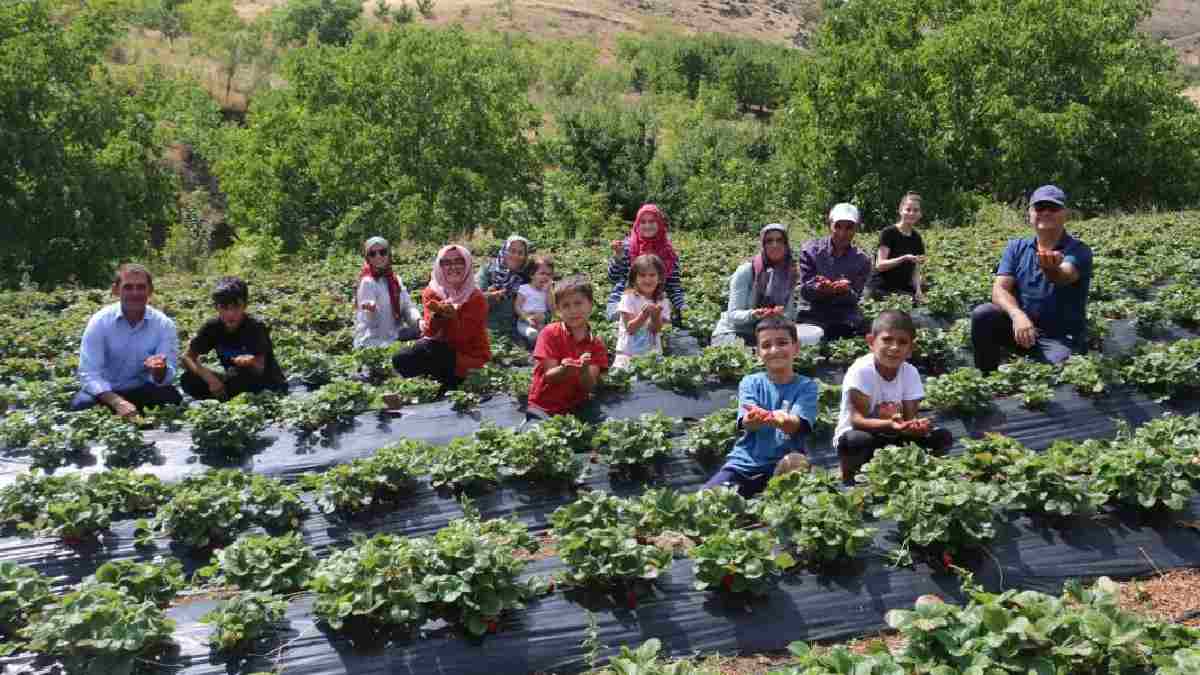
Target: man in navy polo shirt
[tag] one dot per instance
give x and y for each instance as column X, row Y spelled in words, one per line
column 1039, row 296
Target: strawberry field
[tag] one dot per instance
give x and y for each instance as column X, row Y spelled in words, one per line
column 314, row 533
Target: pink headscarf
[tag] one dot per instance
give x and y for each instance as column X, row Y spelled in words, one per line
column 659, row 245
column 459, row 295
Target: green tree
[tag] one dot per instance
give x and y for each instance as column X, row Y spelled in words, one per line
column 79, row 181
column 333, row 21
column 222, row 35
column 611, row 146
column 983, row 100
column 417, row 132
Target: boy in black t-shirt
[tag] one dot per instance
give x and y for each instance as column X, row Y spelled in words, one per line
column 243, row 346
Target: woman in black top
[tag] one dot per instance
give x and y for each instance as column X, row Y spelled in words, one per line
column 901, row 254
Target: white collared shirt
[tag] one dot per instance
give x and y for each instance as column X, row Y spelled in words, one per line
column 112, row 353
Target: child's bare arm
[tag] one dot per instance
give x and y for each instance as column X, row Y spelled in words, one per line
column 860, row 408
column 909, row 409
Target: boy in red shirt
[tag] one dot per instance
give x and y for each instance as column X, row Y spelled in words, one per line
column 569, row 359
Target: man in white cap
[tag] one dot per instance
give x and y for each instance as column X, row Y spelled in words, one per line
column 1040, row 293
column 833, row 273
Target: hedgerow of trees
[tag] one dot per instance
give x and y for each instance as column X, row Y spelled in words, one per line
column 79, row 182
column 413, row 133
column 359, row 127
column 983, row 100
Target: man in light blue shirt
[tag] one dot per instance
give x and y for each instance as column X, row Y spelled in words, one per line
column 127, row 356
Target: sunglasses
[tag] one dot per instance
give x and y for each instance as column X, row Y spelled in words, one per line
column 457, row 262
column 377, row 252
column 1047, row 206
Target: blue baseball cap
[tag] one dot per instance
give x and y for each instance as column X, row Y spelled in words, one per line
column 1049, row 193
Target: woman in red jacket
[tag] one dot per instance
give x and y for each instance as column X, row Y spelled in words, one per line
column 454, row 325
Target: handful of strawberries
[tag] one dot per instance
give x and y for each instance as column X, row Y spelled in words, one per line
column 758, row 415
column 827, row 285
column 916, row 426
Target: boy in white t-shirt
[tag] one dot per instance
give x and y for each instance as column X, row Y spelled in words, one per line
column 880, row 396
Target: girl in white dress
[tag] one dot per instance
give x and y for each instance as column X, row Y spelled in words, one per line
column 383, row 311
column 534, row 303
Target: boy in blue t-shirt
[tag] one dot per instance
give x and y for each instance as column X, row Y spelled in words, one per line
column 776, row 410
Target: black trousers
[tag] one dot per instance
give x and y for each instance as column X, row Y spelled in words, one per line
column 143, row 396
column 428, row 358
column 992, row 339
column 240, row 383
column 856, row 447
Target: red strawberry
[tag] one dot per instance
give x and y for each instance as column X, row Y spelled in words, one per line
column 727, row 582
column 631, row 599
column 641, row 540
column 947, row 559
column 492, row 627
column 550, row 587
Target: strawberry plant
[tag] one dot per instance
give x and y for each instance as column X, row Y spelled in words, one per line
column 1055, row 482
column 1036, row 396
column 271, row 504
column 590, row 511
column 541, row 453
column 101, row 629
column 410, row 390
column 490, row 379
column 211, row 509
column 657, row 511
column 941, row 514
column 371, row 586
column 716, row 509
column 684, row 374
column 123, row 443
column 1083, row 631
column 714, row 435
column 463, row 401
column 312, row 367
column 738, row 561
column 77, row 519
column 261, row 563
column 829, row 405
column 201, row 513
column 625, row 444
column 243, row 620
column 573, row 431
column 56, row 447
column 964, row 391
column 895, row 467
column 127, row 492
column 845, row 351
column 989, row 458
column 375, row 363
column 1010, row 378
column 727, row 363
column 232, row 426
column 1090, row 374
column 470, row 572
column 807, row 359
column 1181, row 303
column 23, row 503
column 810, row 516
column 23, row 593
column 335, row 403
column 1141, row 474
column 610, row 557
column 645, row 660
column 839, row 661
column 157, row 581
column 616, row 381
column 935, row 351
column 1166, row 370
column 461, row 464
column 369, row 484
